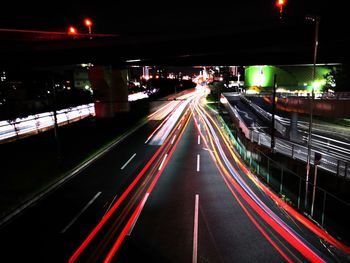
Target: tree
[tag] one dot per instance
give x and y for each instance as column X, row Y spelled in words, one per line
column 338, row 79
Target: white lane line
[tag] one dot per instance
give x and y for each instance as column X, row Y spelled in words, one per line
column 199, row 139
column 172, row 141
column 195, row 230
column 160, row 167
column 198, row 162
column 199, row 127
column 138, row 213
column 132, row 157
column 79, row 214
column 179, row 126
column 148, row 139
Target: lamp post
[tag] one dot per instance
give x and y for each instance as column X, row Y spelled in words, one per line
column 280, row 4
column 315, row 19
column 88, row 23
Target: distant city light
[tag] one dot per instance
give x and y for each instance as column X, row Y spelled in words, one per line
column 86, row 65
column 133, row 60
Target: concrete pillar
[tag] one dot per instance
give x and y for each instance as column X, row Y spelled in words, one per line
column 110, row 90
column 293, row 133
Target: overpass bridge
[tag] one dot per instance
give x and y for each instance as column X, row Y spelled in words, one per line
column 271, row 42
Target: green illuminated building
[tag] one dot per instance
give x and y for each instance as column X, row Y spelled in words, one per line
column 288, row 77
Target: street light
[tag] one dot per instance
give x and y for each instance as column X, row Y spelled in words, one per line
column 72, row 31
column 315, row 19
column 280, row 4
column 88, row 23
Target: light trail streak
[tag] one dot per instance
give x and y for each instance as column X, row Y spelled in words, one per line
column 143, row 202
column 161, row 165
column 158, row 127
column 80, row 213
column 265, row 234
column 164, row 131
column 98, row 227
column 172, row 141
column 302, row 219
column 265, row 213
column 127, row 227
column 112, row 210
column 111, row 204
column 163, row 111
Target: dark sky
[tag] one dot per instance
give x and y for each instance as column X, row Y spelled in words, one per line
column 151, row 16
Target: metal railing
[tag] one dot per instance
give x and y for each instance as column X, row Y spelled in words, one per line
column 330, row 162
column 265, row 115
column 12, row 129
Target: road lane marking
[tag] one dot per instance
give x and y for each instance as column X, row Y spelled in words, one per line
column 172, row 141
column 148, row 139
column 195, row 230
column 79, row 214
column 199, row 127
column 160, row 167
column 179, row 126
column 198, row 162
column 138, row 213
column 132, row 157
column 199, row 139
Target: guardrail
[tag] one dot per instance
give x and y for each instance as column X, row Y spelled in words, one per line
column 265, row 115
column 323, row 95
column 329, row 162
column 19, row 127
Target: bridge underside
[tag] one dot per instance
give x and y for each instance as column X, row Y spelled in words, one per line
column 287, row 43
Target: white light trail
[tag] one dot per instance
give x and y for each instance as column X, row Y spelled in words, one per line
column 80, row 213
column 161, row 165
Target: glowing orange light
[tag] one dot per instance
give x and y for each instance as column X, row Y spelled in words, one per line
column 280, row 2
column 88, row 22
column 72, row 30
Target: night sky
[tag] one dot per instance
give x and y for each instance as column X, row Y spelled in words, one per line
column 134, row 17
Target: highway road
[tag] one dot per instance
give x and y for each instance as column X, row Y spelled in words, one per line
column 172, row 191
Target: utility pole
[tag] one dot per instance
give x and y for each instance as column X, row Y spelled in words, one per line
column 273, row 114
column 315, row 19
column 58, row 145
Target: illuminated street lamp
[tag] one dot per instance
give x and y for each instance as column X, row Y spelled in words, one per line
column 315, row 19
column 280, row 4
column 72, row 31
column 88, row 23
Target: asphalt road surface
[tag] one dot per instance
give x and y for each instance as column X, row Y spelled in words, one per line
column 172, row 191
